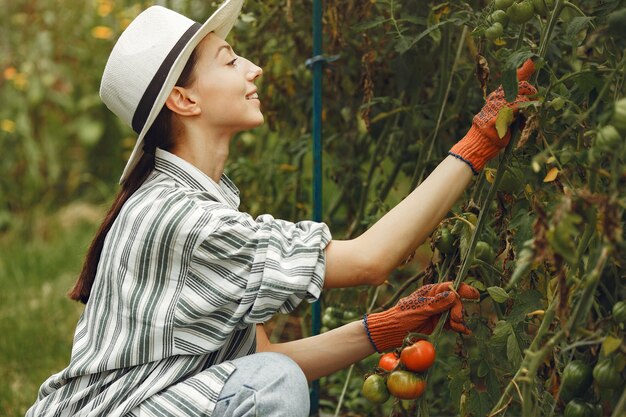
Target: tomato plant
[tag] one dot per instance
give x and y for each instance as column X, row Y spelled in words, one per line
column 550, row 207
column 405, row 385
column 419, row 356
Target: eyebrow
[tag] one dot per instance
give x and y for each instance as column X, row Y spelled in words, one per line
column 222, row 47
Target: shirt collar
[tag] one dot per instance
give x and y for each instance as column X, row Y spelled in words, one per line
column 183, row 172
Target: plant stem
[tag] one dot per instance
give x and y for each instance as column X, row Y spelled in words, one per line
column 548, row 317
column 545, row 36
column 343, row 391
column 421, row 165
column 620, row 408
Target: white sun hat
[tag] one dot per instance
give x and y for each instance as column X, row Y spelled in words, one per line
column 147, row 60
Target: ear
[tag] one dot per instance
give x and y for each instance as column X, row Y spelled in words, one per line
column 182, row 102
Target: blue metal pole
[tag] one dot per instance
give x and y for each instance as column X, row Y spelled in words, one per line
column 316, row 312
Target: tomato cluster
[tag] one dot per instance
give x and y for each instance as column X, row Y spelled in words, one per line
column 399, row 374
column 334, row 317
column 576, row 383
column 517, row 12
column 610, row 135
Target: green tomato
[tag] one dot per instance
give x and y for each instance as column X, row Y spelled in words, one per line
column 577, row 377
column 608, row 138
column 619, row 312
column 578, row 408
column 494, row 31
column 375, row 389
column 521, row 12
column 540, row 7
column 445, row 242
column 619, row 115
column 484, row 252
column 328, row 320
column 605, row 374
column 499, row 16
column 502, row 4
column 616, row 22
column 350, row 315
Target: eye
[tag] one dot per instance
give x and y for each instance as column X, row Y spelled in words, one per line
column 233, row 62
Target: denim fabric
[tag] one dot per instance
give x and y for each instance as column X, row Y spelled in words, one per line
column 263, row 385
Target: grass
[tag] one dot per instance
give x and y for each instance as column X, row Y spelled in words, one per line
column 37, row 319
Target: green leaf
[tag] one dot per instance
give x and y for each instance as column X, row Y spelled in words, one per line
column 370, row 24
column 464, row 240
column 498, row 294
column 525, row 302
column 610, row 345
column 505, row 117
column 510, row 84
column 457, row 383
column 576, row 25
column 523, row 265
column 475, row 283
column 509, row 74
column 478, row 404
column 513, row 352
column 419, row 37
column 493, row 385
column 500, row 334
column 483, row 369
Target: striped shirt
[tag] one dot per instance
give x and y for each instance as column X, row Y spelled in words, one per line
column 183, row 278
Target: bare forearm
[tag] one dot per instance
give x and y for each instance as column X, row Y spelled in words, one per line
column 323, row 354
column 397, row 234
column 368, row 258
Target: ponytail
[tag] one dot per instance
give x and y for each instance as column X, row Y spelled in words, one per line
column 159, row 135
column 82, row 288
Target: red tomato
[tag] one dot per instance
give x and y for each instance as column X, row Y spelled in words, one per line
column 388, row 361
column 419, row 356
column 405, row 385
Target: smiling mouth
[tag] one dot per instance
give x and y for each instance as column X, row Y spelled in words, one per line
column 253, row 96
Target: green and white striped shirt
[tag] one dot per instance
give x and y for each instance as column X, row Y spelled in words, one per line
column 183, row 278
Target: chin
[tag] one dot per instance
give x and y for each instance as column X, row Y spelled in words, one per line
column 258, row 122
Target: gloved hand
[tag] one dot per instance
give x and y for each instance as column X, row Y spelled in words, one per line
column 419, row 312
column 481, row 143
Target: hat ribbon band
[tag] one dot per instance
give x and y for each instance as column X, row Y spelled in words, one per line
column 154, row 87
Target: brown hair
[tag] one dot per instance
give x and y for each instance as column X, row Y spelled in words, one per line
column 159, row 135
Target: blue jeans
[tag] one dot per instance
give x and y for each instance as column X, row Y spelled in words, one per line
column 264, row 384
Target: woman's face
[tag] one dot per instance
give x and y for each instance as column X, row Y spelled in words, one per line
column 224, row 87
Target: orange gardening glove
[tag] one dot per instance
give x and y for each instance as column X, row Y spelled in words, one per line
column 481, row 143
column 419, row 312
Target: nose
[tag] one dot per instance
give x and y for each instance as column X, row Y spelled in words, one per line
column 254, row 72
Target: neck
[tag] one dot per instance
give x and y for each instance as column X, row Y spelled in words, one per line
column 208, row 153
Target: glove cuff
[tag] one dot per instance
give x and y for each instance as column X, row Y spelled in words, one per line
column 475, row 149
column 383, row 330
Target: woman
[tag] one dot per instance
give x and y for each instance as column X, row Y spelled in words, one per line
column 178, row 282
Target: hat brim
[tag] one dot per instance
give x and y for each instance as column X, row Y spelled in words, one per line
column 220, row 22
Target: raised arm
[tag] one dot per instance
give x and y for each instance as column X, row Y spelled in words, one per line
column 369, row 258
